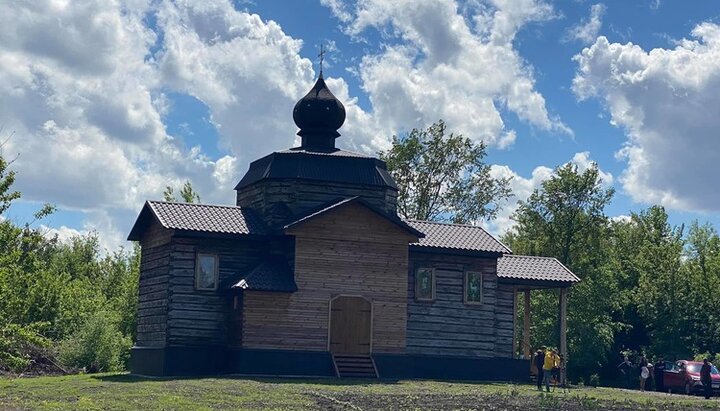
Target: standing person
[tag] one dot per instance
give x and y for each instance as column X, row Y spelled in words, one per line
column 547, row 369
column 644, row 372
column 626, row 369
column 706, row 379
column 659, row 369
column 563, row 372
column 539, row 360
column 556, row 368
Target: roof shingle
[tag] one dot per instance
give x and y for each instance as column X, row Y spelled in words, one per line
column 273, row 274
column 202, row 218
column 456, row 236
column 526, row 267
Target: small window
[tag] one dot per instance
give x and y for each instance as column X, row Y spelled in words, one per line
column 473, row 287
column 206, row 272
column 425, row 284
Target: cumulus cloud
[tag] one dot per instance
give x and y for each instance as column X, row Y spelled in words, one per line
column 436, row 65
column 88, row 86
column 522, row 187
column 588, row 29
column 85, row 84
column 666, row 102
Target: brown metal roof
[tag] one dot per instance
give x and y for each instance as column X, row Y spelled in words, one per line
column 273, row 274
column 199, row 217
column 456, row 236
column 526, row 267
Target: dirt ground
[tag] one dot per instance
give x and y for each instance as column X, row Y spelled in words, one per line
column 491, row 402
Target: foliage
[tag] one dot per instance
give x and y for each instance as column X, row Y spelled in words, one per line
column 187, row 194
column 443, row 177
column 51, row 290
column 98, row 345
column 648, row 287
column 20, row 344
column 7, row 178
column 564, row 218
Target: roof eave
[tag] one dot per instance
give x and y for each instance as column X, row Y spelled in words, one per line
column 454, row 251
column 140, row 224
column 339, row 203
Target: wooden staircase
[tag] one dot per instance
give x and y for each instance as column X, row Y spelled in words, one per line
column 354, row 366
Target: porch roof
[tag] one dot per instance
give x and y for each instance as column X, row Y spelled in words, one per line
column 272, row 274
column 528, row 270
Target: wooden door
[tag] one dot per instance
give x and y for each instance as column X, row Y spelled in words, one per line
column 350, row 325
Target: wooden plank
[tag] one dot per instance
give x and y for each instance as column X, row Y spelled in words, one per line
column 350, row 251
column 526, row 325
column 563, row 329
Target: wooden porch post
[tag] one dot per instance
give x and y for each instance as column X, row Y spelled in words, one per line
column 563, row 329
column 514, row 325
column 526, row 326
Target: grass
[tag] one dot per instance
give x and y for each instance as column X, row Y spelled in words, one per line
column 126, row 392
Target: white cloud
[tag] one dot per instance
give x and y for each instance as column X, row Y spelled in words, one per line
column 84, row 86
column 666, row 101
column 436, row 66
column 583, row 162
column 87, row 87
column 338, row 9
column 588, row 29
column 622, row 218
column 522, row 187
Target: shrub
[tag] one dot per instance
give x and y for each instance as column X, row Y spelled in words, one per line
column 98, row 345
column 594, row 380
column 20, row 345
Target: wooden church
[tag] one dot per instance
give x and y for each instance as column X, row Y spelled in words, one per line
column 312, row 273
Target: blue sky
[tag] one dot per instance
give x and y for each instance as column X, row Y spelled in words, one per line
column 111, row 102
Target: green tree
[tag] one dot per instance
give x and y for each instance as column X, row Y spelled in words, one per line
column 187, row 194
column 702, row 268
column 7, row 178
column 50, row 292
column 443, row 177
column 564, row 218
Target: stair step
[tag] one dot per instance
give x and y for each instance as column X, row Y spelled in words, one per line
column 354, row 365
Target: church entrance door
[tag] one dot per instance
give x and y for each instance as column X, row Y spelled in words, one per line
column 350, row 325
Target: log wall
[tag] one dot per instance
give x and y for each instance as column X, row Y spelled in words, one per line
column 300, row 196
column 349, row 251
column 153, row 287
column 199, row 317
column 448, row 326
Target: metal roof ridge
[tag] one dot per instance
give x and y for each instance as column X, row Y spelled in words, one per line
column 530, row 256
column 155, row 212
column 197, row 204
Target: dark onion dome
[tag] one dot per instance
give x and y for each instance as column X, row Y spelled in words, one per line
column 319, row 115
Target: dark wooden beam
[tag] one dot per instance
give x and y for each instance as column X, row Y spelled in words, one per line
column 526, row 326
column 563, row 329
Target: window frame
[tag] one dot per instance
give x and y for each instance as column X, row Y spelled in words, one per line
column 465, row 287
column 216, row 270
column 417, row 284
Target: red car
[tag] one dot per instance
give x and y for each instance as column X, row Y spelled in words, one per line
column 684, row 376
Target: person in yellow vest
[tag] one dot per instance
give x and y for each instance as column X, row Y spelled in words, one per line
column 548, row 365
